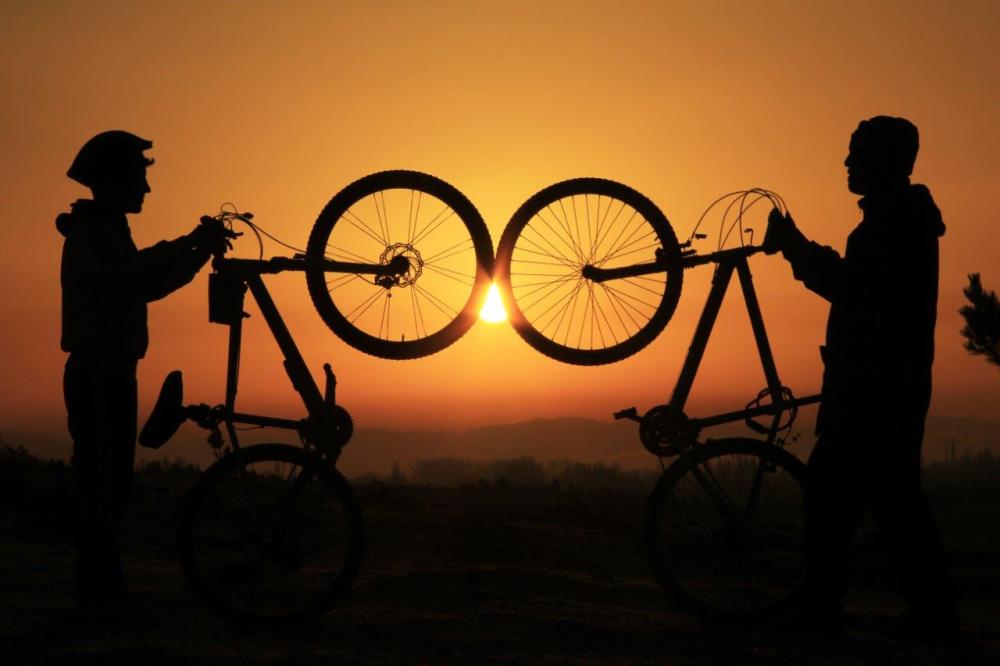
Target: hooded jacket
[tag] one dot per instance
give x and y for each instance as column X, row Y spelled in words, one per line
column 107, row 282
column 883, row 306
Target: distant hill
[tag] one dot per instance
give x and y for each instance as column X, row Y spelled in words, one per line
column 578, row 439
column 588, row 440
column 374, row 450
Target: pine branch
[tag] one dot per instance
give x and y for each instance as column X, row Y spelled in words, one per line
column 982, row 321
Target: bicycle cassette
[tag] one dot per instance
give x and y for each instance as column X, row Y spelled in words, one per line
column 664, row 436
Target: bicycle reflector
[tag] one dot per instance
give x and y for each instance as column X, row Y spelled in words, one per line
column 167, row 415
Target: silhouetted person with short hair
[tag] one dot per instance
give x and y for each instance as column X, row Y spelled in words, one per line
column 106, row 284
column 877, row 381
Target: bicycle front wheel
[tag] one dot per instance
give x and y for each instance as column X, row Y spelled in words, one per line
column 724, row 531
column 447, row 249
column 541, row 264
column 270, row 535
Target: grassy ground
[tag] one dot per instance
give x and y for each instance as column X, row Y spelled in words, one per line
column 476, row 574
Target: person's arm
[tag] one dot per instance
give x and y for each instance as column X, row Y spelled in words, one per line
column 819, row 267
column 161, row 269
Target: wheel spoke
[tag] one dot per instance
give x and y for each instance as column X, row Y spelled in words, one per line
column 597, row 223
column 548, row 291
column 433, row 225
column 468, row 280
column 361, row 226
column 573, row 247
column 342, row 280
column 437, row 302
column 391, row 216
column 559, row 256
column 367, row 303
column 718, row 563
column 465, row 244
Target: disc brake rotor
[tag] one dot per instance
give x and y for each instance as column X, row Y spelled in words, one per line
column 414, row 270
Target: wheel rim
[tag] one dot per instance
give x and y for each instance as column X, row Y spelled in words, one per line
column 445, row 247
column 540, row 267
column 265, row 549
column 719, row 561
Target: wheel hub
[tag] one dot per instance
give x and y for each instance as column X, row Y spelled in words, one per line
column 414, row 265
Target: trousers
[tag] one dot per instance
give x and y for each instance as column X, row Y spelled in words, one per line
column 878, row 469
column 101, row 408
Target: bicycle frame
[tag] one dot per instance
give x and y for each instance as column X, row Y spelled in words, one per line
column 726, row 263
column 242, row 274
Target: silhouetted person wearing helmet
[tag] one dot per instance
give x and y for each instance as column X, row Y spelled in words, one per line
column 877, row 380
column 106, row 284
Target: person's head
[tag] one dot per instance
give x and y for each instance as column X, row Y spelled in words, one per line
column 112, row 165
column 881, row 155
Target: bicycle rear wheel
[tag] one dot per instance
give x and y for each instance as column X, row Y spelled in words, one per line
column 540, row 271
column 717, row 546
column 270, row 536
column 445, row 241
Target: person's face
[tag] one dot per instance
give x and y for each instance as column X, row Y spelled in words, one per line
column 859, row 168
column 869, row 168
column 125, row 191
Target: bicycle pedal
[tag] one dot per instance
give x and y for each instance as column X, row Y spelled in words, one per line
column 630, row 413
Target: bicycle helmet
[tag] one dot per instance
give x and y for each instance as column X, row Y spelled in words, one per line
column 107, row 153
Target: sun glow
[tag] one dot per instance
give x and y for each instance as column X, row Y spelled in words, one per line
column 493, row 310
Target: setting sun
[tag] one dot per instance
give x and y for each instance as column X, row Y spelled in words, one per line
column 493, row 311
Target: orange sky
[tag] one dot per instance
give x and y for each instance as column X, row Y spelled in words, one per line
column 277, row 106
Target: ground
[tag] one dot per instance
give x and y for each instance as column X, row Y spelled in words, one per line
column 479, row 574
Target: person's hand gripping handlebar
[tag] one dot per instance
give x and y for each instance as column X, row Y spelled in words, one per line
column 212, row 235
column 778, row 227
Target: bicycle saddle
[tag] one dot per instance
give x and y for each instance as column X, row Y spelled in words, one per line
column 167, row 415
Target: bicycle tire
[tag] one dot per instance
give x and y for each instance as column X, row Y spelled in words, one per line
column 235, row 554
column 452, row 257
column 553, row 259
column 719, row 567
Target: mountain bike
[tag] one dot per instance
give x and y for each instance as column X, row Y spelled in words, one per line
column 590, row 271
column 397, row 264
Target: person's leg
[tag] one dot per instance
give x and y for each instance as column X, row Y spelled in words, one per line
column 118, row 432
column 832, row 511
column 79, row 395
column 911, row 533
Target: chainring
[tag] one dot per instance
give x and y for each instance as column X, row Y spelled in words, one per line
column 664, row 436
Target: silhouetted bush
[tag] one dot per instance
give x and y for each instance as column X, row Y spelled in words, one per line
column 167, row 467
column 517, row 472
column 979, row 470
column 34, row 493
column 527, row 472
column 443, row 472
